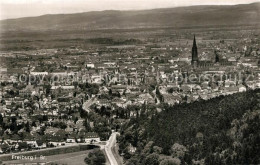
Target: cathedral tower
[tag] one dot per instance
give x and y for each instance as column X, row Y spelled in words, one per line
column 194, row 59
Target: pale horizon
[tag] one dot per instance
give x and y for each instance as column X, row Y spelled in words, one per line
column 11, row 9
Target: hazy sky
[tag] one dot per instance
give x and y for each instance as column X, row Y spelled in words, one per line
column 25, row 8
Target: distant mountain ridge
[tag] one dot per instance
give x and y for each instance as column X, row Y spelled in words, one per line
column 246, row 14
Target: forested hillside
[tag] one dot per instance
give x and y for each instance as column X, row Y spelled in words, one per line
column 223, row 130
column 191, row 16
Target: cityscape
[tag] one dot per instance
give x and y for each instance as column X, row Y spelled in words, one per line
column 144, row 95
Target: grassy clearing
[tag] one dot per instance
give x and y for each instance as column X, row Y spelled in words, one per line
column 54, row 151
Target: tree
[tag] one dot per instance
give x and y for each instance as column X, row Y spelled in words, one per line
column 87, row 125
column 170, row 90
column 152, row 159
column 23, row 145
column 178, row 150
column 171, row 161
column 27, row 127
column 128, row 81
column 48, row 89
column 198, row 131
column 157, row 149
column 95, row 158
column 132, row 161
column 110, row 92
column 76, row 119
column 159, row 95
column 13, row 126
column 1, row 119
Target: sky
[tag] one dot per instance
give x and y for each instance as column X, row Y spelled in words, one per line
column 27, row 8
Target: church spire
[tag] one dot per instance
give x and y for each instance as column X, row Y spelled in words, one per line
column 194, row 41
column 194, row 59
column 216, row 56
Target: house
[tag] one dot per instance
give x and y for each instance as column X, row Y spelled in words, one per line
column 69, row 129
column 196, row 88
column 71, row 138
column 32, row 143
column 51, row 130
column 204, row 85
column 15, row 138
column 229, row 83
column 90, row 65
column 251, row 84
column 1, row 150
column 4, row 147
column 56, row 141
column 204, row 96
column 185, row 88
column 39, row 73
column 92, row 137
column 21, row 146
column 96, row 79
column 59, row 73
column 241, row 88
column 131, row 148
column 79, row 125
column 146, row 97
column 104, row 102
column 118, row 88
column 231, row 90
column 172, row 99
column 61, row 89
column 118, row 101
column 27, row 91
column 41, row 144
column 174, row 87
column 103, row 89
column 64, row 100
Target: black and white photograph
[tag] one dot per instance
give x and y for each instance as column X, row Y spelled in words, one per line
column 130, row 82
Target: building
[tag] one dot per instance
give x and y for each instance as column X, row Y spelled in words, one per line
column 27, row 91
column 39, row 73
column 90, row 65
column 92, row 137
column 194, row 60
column 206, row 64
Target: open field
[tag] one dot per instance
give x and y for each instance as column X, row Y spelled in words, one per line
column 48, row 152
column 85, row 39
column 75, row 158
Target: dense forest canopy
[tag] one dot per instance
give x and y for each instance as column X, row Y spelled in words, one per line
column 222, row 130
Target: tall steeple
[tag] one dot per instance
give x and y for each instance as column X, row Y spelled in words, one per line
column 194, row 42
column 216, row 56
column 194, row 59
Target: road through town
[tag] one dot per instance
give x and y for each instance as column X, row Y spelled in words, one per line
column 108, row 148
column 88, row 103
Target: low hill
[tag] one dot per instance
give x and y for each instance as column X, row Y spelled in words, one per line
column 246, row 14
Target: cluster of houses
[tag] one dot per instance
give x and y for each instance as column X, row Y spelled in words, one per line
column 34, row 141
column 57, row 83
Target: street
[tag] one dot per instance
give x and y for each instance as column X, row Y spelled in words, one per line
column 87, row 104
column 108, row 148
